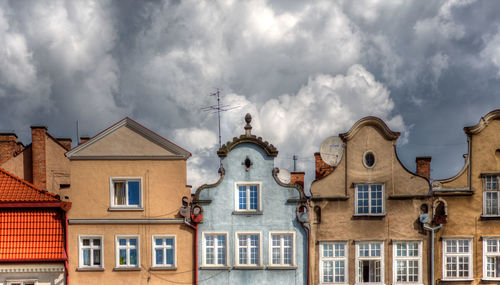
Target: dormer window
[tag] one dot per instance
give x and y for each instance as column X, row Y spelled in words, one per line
column 247, row 197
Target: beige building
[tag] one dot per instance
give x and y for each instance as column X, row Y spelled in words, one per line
column 468, row 244
column 127, row 184
column 365, row 226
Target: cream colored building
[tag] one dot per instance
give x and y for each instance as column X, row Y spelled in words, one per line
column 365, row 226
column 468, row 205
column 127, row 184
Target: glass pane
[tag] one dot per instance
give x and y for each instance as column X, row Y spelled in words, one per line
column 133, row 193
column 170, row 256
column 159, row 256
column 169, row 241
column 86, row 242
column 328, row 271
column 253, row 197
column 133, row 257
column 133, row 241
column 122, row 241
column 96, row 242
column 242, row 197
column 123, row 256
column 86, row 257
column 97, row 257
column 158, row 241
column 119, row 193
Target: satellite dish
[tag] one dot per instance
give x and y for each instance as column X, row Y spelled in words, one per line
column 331, row 150
column 284, row 176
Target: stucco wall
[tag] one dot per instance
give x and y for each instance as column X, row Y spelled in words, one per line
column 44, row 273
column 277, row 215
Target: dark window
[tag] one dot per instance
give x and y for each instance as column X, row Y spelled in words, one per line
column 369, row 159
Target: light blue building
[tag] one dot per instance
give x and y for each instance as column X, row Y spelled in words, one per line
column 250, row 233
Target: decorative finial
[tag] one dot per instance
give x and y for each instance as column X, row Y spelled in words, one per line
column 248, row 127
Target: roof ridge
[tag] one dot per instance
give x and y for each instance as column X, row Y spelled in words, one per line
column 44, row 192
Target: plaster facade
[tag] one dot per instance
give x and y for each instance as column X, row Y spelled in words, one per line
column 471, row 214
column 249, row 161
column 98, row 214
column 339, row 218
column 41, row 273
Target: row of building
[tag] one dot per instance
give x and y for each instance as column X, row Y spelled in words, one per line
column 115, row 209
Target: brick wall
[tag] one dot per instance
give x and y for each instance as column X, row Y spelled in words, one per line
column 322, row 169
column 8, row 146
column 297, row 177
column 39, row 160
column 424, row 166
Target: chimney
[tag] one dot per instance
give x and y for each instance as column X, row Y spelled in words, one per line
column 39, row 160
column 66, row 142
column 297, row 177
column 84, row 139
column 424, row 166
column 322, row 169
column 8, row 143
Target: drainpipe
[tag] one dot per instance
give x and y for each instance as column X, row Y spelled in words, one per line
column 432, row 230
column 195, row 227
column 308, row 230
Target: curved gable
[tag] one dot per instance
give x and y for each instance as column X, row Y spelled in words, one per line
column 371, row 121
column 493, row 115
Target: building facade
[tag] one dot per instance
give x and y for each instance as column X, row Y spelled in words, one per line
column 467, row 206
column 127, row 186
column 250, row 233
column 365, row 213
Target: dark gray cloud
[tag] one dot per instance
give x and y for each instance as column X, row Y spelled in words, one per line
column 305, row 70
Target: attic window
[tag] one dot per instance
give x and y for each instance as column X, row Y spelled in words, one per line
column 247, row 163
column 369, row 159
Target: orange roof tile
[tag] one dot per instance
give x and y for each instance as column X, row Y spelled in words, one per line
column 15, row 189
column 31, row 234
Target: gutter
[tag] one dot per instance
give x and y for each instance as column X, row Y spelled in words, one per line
column 195, row 247
column 308, row 230
column 432, row 230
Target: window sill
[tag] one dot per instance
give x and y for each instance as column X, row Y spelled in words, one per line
column 490, row 217
column 90, row 269
column 248, row 213
column 248, row 267
column 456, row 280
column 111, row 209
column 160, row 268
column 368, row 217
column 215, row 267
column 127, row 269
column 281, row 267
column 370, row 283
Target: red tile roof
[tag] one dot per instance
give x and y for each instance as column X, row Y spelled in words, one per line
column 15, row 189
column 31, row 234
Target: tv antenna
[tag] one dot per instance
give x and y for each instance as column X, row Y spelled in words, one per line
column 218, row 109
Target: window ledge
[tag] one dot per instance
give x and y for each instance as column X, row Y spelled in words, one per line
column 368, row 217
column 456, row 280
column 369, row 283
column 280, row 267
column 215, row 267
column 111, row 209
column 248, row 267
column 490, row 279
column 90, row 269
column 248, row 213
column 127, row 269
column 490, row 217
column 159, row 268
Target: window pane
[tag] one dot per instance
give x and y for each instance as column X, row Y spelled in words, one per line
column 339, row 271
column 133, row 241
column 122, row 241
column 242, row 197
column 327, row 250
column 159, row 256
column 170, row 256
column 119, row 193
column 86, row 242
column 96, row 242
column 328, row 271
column 253, row 197
column 86, row 257
column 133, row 256
column 133, row 193
column 97, row 257
column 123, row 256
column 169, row 241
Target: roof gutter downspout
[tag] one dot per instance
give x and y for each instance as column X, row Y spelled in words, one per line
column 432, row 230
column 195, row 246
column 66, row 262
column 308, row 230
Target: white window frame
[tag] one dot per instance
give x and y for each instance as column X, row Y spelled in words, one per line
column 380, row 258
column 237, row 248
column 81, row 247
column 282, row 249
column 486, row 255
column 204, row 252
column 21, row 281
column 323, row 259
column 356, row 210
column 127, row 247
column 458, row 255
column 154, row 247
column 112, row 192
column 487, row 190
column 237, row 196
column 396, row 258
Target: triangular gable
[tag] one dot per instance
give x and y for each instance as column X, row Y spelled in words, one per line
column 128, row 139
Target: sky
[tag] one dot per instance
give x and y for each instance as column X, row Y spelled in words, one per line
column 305, row 70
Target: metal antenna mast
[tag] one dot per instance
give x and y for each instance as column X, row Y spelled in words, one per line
column 218, row 109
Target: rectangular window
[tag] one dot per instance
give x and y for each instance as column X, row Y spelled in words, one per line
column 407, row 262
column 164, row 251
column 370, row 262
column 248, row 249
column 369, row 199
column 90, row 252
column 247, row 197
column 333, row 263
column 282, row 248
column 127, row 251
column 215, row 249
column 490, row 195
column 491, row 258
column 22, row 282
column 126, row 192
column 457, row 259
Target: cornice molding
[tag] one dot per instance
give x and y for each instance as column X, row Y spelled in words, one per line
column 299, row 187
column 374, row 122
column 222, row 173
column 483, row 122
